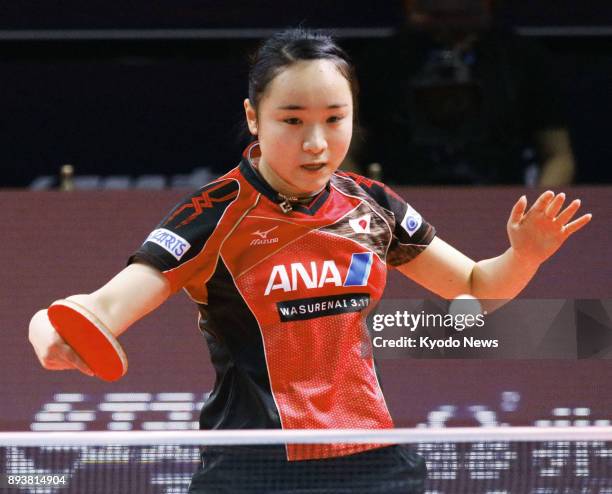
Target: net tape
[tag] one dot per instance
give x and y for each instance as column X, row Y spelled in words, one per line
column 481, row 460
column 309, row 436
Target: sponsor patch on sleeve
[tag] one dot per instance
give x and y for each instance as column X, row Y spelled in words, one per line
column 412, row 220
column 169, row 241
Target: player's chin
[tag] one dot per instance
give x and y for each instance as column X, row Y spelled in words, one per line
column 314, row 180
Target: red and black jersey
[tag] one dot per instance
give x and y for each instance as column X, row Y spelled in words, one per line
column 283, row 294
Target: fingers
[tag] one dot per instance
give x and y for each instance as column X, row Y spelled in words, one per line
column 550, row 205
column 569, row 212
column 543, row 201
column 63, row 357
column 576, row 225
column 555, row 205
column 51, row 350
column 518, row 210
column 77, row 363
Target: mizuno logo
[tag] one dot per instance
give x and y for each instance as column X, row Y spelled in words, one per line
column 297, row 276
column 264, row 234
column 263, row 237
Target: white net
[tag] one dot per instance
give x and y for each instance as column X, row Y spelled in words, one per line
column 496, row 460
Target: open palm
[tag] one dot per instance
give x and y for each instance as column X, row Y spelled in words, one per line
column 536, row 234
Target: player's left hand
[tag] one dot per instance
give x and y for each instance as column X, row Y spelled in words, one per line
column 535, row 235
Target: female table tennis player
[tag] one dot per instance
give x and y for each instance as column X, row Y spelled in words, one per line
column 283, row 255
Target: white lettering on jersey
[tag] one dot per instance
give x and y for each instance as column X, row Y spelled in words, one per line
column 278, row 272
column 169, row 241
column 412, row 220
column 302, row 276
column 330, row 274
column 357, row 274
column 298, row 270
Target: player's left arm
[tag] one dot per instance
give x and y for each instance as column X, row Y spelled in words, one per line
column 534, row 234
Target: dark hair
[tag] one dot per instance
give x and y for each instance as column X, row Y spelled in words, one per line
column 288, row 47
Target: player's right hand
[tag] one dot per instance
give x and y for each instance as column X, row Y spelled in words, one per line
column 51, row 350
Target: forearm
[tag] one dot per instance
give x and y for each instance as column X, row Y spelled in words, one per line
column 115, row 316
column 534, row 236
column 129, row 296
column 447, row 272
column 502, row 277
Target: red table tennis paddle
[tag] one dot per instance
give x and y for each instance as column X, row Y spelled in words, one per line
column 89, row 338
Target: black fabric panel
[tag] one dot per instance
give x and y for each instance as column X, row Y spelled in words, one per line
column 193, row 219
column 242, row 397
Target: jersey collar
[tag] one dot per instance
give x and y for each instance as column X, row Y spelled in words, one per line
column 248, row 170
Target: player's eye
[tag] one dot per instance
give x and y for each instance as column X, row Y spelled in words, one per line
column 335, row 119
column 292, row 121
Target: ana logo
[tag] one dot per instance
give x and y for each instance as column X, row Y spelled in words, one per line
column 297, row 276
column 361, row 224
column 169, row 241
column 263, row 237
column 412, row 220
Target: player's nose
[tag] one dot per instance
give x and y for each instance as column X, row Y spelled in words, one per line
column 315, row 141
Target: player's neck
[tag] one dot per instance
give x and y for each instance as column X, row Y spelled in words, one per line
column 278, row 184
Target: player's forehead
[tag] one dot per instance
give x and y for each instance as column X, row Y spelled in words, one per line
column 308, row 84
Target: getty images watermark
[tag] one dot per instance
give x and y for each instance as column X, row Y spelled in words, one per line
column 463, row 314
column 521, row 328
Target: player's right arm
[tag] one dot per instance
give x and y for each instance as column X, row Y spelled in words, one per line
column 130, row 295
column 185, row 244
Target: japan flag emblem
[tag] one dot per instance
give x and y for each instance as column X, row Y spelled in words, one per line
column 361, row 224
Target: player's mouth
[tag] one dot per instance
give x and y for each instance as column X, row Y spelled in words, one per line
column 313, row 167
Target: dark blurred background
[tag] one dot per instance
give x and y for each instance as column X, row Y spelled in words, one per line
column 156, row 88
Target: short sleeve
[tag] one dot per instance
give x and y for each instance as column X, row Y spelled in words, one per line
column 186, row 242
column 411, row 233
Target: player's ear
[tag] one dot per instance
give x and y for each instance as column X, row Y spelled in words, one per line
column 251, row 116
